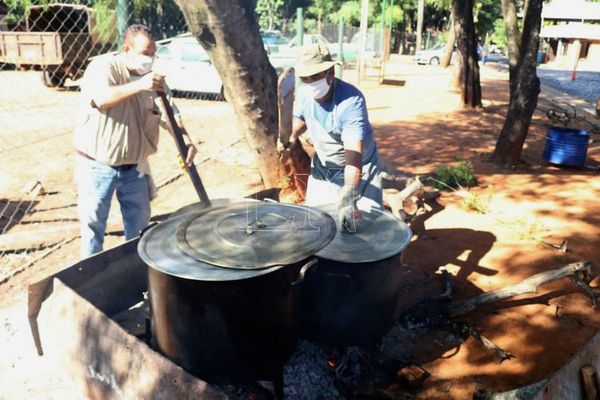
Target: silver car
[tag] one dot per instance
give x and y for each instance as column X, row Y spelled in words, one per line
column 432, row 56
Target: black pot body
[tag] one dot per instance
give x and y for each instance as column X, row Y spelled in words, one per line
column 347, row 304
column 226, row 331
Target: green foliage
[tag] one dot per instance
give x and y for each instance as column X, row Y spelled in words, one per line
column 269, row 13
column 454, row 176
column 498, row 36
column 104, row 16
column 163, row 17
column 485, row 14
column 397, row 15
column 17, row 10
column 350, row 10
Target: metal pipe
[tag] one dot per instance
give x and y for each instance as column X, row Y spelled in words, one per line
column 340, row 55
column 122, row 19
column 383, row 4
column 299, row 26
column 364, row 15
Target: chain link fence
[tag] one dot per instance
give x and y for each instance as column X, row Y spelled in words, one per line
column 45, row 47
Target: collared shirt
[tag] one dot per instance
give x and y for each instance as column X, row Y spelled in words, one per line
column 126, row 133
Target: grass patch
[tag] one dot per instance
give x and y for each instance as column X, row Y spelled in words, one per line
column 459, row 175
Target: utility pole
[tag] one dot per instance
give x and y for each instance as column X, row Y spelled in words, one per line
column 299, row 27
column 362, row 43
column 420, row 15
column 122, row 19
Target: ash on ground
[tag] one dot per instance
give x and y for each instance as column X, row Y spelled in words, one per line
column 319, row 372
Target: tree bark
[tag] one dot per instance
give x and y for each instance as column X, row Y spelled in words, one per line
column 447, row 57
column 229, row 32
column 467, row 61
column 523, row 81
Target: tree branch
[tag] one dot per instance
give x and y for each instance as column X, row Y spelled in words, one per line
column 529, row 285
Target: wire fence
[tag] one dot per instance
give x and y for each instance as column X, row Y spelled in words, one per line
column 44, row 50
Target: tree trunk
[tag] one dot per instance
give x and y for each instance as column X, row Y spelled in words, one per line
column 447, row 57
column 229, row 32
column 524, row 83
column 467, row 62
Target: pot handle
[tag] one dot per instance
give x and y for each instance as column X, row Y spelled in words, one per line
column 303, row 271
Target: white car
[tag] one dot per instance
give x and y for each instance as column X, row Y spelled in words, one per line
column 432, row 56
column 187, row 66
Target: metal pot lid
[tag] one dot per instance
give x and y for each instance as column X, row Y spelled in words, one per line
column 158, row 249
column 199, row 206
column 380, row 236
column 255, row 235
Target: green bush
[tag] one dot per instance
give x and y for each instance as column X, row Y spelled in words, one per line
column 454, row 176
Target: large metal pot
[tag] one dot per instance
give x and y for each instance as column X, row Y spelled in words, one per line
column 353, row 296
column 222, row 286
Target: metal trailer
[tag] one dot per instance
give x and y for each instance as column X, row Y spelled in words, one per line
column 59, row 39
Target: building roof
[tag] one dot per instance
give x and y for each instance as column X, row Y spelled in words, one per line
column 574, row 30
column 578, row 10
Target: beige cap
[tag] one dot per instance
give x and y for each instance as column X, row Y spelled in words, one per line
column 313, row 59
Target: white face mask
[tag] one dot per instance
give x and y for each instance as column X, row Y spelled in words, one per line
column 317, row 89
column 139, row 63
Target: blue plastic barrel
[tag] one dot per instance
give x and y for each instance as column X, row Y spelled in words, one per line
column 566, row 146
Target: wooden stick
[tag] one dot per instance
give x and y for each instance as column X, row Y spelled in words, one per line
column 529, row 285
column 396, row 201
column 181, row 146
column 500, row 354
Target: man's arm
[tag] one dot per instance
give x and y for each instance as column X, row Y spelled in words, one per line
column 110, row 96
column 298, row 128
column 352, row 171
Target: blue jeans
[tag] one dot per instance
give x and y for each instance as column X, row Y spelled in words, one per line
column 96, row 184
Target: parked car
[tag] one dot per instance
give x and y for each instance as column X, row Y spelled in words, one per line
column 273, row 39
column 188, row 68
column 432, row 56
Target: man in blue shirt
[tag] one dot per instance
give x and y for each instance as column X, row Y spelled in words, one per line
column 346, row 166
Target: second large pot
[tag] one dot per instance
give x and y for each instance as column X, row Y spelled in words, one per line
column 352, row 296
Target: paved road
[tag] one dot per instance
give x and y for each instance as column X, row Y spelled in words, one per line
column 586, row 86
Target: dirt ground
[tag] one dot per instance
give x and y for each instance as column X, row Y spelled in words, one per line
column 418, row 126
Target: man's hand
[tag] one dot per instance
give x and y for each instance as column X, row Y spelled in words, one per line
column 348, row 212
column 285, row 151
column 192, row 151
column 152, row 82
